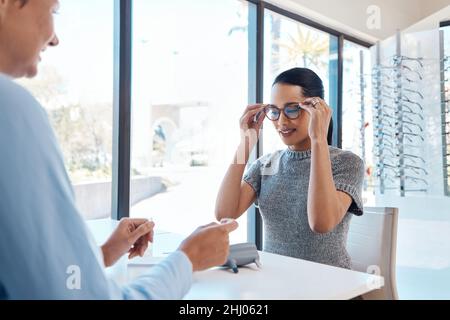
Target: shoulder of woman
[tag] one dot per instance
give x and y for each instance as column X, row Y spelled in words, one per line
column 339, row 156
column 267, row 159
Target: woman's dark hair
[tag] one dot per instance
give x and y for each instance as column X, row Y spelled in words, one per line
column 311, row 85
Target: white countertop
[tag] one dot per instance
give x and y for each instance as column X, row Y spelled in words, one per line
column 280, row 278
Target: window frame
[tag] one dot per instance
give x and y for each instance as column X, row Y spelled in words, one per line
column 120, row 197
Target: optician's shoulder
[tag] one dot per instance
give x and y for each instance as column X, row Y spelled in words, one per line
column 15, row 99
column 345, row 158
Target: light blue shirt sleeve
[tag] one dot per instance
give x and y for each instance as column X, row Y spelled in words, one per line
column 46, row 251
column 171, row 279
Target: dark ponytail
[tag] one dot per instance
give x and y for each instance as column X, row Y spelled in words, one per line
column 311, row 84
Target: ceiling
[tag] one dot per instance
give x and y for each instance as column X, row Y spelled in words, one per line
column 351, row 16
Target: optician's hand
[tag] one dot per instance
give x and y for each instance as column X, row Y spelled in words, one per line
column 209, row 245
column 131, row 236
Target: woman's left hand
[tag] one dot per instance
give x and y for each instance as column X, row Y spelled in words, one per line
column 320, row 117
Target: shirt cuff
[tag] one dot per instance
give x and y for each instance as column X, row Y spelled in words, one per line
column 181, row 262
column 356, row 206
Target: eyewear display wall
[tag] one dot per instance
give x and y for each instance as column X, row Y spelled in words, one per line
column 445, row 78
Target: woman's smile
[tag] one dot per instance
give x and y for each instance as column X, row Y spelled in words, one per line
column 286, row 132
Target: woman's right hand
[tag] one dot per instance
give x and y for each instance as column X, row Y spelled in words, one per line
column 249, row 128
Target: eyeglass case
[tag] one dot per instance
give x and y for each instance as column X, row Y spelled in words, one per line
column 241, row 255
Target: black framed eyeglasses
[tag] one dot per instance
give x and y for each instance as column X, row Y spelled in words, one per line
column 292, row 111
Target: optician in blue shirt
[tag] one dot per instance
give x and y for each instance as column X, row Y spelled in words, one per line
column 46, row 251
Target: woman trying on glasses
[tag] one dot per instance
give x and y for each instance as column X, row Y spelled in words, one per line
column 306, row 193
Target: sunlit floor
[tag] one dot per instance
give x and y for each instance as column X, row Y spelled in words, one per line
column 423, row 255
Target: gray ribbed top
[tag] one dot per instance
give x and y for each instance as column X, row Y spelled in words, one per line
column 281, row 182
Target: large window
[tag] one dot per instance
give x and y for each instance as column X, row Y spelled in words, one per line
column 289, row 44
column 190, row 87
column 357, row 125
column 75, row 86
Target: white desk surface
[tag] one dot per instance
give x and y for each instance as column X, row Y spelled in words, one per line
column 280, row 278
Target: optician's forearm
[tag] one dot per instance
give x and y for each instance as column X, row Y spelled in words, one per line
column 227, row 203
column 323, row 201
